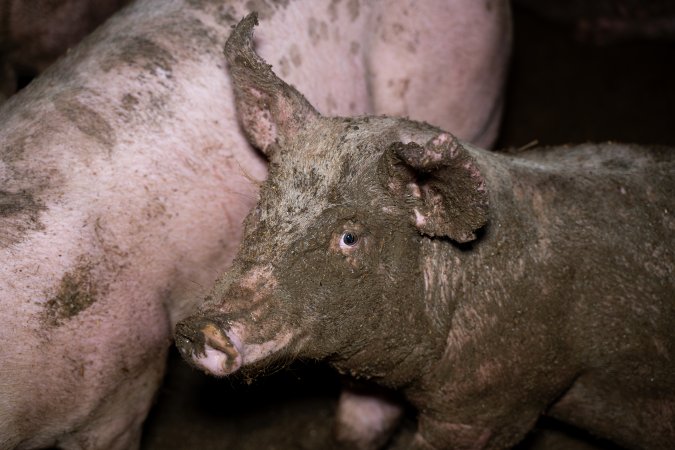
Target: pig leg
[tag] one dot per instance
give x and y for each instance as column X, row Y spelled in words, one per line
column 435, row 435
column 600, row 403
column 364, row 420
column 469, row 43
column 448, row 430
column 129, row 439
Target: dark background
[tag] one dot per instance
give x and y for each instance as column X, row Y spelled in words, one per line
column 567, row 85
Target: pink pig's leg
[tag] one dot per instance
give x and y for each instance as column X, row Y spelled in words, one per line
column 365, row 421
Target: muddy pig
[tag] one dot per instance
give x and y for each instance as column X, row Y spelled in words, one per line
column 124, row 179
column 488, row 288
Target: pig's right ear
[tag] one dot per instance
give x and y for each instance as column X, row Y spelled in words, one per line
column 440, row 184
column 270, row 111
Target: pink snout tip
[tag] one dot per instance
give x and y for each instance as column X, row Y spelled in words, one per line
column 221, row 355
column 208, row 347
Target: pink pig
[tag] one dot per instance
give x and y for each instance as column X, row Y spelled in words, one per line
column 124, row 179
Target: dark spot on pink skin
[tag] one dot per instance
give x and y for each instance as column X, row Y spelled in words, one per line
column 129, row 101
column 19, row 212
column 318, row 31
column 88, row 121
column 295, row 55
column 353, row 8
column 284, row 66
column 141, row 52
column 332, row 10
column 312, row 30
column 76, row 292
column 266, row 8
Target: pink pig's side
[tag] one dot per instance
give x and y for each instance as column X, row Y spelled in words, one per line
column 124, row 179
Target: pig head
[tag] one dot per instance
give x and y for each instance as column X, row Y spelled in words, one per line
column 403, row 256
column 329, row 238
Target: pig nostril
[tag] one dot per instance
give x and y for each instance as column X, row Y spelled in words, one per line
column 222, row 356
column 184, row 345
column 186, row 337
column 216, row 339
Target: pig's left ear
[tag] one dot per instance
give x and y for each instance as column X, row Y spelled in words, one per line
column 270, row 111
column 441, row 184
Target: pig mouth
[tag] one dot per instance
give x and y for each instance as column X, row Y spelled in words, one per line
column 206, row 346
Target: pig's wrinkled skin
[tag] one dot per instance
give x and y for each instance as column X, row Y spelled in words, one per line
column 488, row 288
column 124, row 179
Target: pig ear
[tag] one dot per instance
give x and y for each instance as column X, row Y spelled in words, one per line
column 442, row 185
column 270, row 111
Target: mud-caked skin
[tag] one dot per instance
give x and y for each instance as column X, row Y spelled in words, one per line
column 488, row 288
column 124, row 177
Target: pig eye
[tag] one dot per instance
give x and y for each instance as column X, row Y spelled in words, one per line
column 348, row 239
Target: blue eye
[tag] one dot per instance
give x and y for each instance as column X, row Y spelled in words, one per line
column 349, row 238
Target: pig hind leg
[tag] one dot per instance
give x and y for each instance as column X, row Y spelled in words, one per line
column 600, row 405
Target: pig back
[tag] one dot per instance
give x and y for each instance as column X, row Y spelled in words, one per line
column 612, row 207
column 589, row 232
column 568, row 290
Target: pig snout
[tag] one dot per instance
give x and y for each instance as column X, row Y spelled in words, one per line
column 206, row 345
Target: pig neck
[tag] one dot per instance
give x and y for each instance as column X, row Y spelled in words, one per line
column 395, row 361
column 446, row 287
column 484, row 296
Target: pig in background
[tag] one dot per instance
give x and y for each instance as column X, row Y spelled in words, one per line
column 34, row 33
column 124, row 178
column 490, row 289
